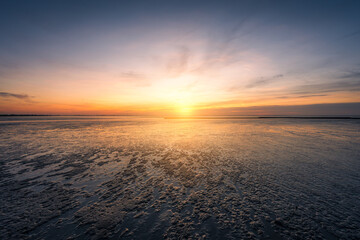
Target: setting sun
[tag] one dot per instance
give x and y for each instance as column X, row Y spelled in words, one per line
column 183, row 110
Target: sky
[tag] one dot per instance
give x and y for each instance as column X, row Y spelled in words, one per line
column 180, row 57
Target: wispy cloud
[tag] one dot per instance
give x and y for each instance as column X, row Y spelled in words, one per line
column 132, row 75
column 222, row 49
column 225, row 44
column 302, row 96
column 351, row 85
column 264, row 81
column 139, row 79
column 351, row 74
column 14, row 95
column 352, row 34
column 178, row 64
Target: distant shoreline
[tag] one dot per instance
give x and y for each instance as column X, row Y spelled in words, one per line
column 262, row 117
column 59, row 115
column 193, row 117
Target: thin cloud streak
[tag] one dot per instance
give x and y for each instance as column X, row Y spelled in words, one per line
column 351, row 74
column 302, row 96
column 353, row 34
column 329, row 87
column 264, row 81
column 14, row 95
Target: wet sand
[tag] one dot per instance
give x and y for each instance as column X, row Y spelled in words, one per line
column 138, row 178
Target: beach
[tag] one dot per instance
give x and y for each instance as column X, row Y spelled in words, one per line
column 92, row 177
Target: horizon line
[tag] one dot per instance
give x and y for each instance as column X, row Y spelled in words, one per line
column 324, row 116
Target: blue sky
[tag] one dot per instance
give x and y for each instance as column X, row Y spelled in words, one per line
column 146, row 57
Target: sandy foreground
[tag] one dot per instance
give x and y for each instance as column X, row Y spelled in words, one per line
column 137, row 178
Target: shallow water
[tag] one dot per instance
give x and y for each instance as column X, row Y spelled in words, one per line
column 143, row 178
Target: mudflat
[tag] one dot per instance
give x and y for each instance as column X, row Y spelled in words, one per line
column 151, row 178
